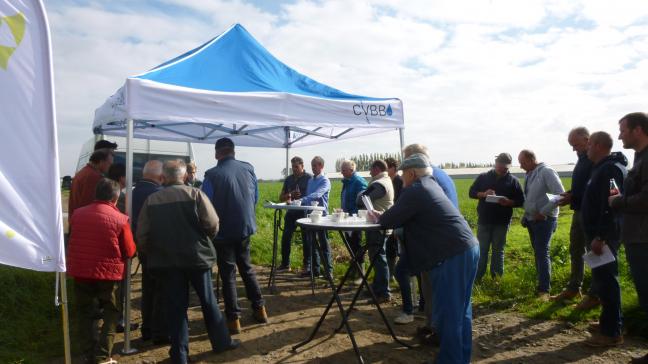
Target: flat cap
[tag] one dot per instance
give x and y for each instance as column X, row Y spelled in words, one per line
column 503, row 158
column 416, row 160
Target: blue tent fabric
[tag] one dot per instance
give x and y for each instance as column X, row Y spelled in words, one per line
column 236, row 62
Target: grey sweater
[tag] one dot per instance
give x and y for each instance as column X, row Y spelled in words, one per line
column 540, row 181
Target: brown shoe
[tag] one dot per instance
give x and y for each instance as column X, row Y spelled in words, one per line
column 588, row 303
column 640, row 360
column 602, row 341
column 260, row 315
column 566, row 295
column 234, row 326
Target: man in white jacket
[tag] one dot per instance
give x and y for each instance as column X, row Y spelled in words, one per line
column 540, row 214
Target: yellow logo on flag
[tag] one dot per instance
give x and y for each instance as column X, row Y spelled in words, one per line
column 16, row 26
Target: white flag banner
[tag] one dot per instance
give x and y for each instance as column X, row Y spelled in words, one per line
column 31, row 227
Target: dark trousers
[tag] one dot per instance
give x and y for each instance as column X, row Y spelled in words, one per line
column 311, row 252
column 391, row 248
column 178, row 281
column 233, row 254
column 86, row 295
column 578, row 245
column 606, row 278
column 154, row 312
column 290, row 226
column 637, row 256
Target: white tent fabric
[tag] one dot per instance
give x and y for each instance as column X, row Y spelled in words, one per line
column 31, row 223
column 232, row 86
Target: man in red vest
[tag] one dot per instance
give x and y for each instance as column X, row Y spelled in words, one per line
column 100, row 242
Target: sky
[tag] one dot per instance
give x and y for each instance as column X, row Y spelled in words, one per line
column 476, row 77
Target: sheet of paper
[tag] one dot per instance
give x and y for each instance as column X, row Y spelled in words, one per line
column 594, row 260
column 554, row 198
column 494, row 198
column 367, row 203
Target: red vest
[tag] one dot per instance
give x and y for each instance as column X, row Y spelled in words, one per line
column 94, row 249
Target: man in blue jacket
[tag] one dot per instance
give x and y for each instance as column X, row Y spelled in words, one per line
column 601, row 227
column 233, row 190
column 352, row 186
column 440, row 246
column 494, row 218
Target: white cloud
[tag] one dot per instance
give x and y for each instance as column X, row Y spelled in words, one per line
column 476, row 78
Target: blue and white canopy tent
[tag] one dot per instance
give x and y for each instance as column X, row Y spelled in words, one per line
column 232, row 86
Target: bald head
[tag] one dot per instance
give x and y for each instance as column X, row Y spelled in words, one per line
column 153, row 170
column 415, row 148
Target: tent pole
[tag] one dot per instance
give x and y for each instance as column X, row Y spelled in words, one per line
column 129, row 194
column 401, row 133
column 65, row 317
column 287, row 130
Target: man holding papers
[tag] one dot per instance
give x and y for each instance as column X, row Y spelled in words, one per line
column 601, row 226
column 498, row 192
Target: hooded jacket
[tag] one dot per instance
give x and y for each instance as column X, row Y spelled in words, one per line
column 599, row 219
column 540, row 181
column 351, row 188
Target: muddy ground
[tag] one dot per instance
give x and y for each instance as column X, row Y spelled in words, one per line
column 498, row 337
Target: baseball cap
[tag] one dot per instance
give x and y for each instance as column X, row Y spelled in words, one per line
column 416, row 160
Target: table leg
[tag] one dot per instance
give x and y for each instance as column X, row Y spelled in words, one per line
column 335, row 298
column 275, row 239
column 365, row 277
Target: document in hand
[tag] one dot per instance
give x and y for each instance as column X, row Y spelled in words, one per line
column 554, row 198
column 494, row 198
column 367, row 203
column 594, row 260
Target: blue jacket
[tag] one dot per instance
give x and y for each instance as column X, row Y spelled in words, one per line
column 580, row 176
column 446, row 184
column 351, row 187
column 434, row 229
column 599, row 219
column 232, row 188
column 143, row 189
column 508, row 186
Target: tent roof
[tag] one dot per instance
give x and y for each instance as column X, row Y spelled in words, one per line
column 232, row 86
column 235, row 62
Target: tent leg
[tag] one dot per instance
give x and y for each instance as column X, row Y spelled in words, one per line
column 65, row 318
column 127, row 282
column 287, row 164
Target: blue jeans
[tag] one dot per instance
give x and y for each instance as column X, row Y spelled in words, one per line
column 310, row 251
column 491, row 235
column 637, row 256
column 290, row 226
column 376, row 245
column 177, row 281
column 403, row 273
column 540, row 233
column 452, row 283
column 606, row 278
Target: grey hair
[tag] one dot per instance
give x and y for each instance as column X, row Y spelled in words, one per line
column 580, row 131
column 415, row 148
column 422, row 172
column 152, row 168
column 351, row 164
column 174, row 171
column 318, row 159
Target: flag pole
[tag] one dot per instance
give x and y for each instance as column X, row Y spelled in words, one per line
column 63, row 302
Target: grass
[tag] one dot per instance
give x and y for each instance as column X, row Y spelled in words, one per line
column 30, row 325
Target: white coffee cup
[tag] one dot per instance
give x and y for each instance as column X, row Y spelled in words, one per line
column 337, row 216
column 315, row 216
column 362, row 214
column 314, row 203
column 296, row 203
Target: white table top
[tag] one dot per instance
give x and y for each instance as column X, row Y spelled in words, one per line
column 284, row 206
column 326, row 223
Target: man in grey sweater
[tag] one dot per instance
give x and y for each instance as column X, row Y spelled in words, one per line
column 540, row 214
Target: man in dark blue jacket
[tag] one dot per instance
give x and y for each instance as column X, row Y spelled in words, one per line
column 601, row 226
column 578, row 139
column 233, row 190
column 153, row 298
column 494, row 218
column 440, row 246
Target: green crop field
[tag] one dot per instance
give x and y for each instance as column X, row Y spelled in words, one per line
column 30, row 329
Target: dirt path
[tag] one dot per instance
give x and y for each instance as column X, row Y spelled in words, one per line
column 498, row 337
